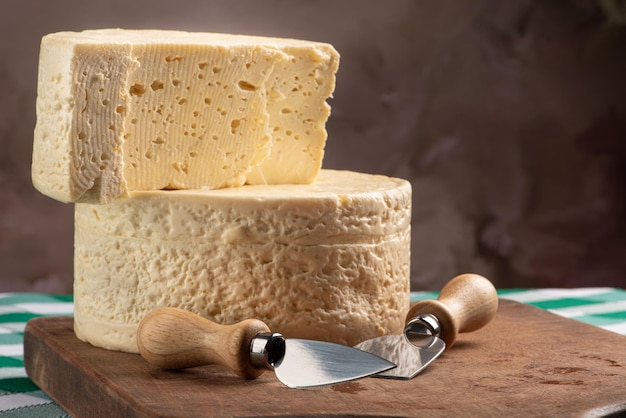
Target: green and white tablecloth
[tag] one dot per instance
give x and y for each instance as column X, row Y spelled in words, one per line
column 19, row 397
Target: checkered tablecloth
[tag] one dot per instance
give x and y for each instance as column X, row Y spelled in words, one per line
column 19, row 397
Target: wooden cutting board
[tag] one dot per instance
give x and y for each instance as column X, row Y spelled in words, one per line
column 526, row 362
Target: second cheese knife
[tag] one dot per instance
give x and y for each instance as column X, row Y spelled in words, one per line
column 466, row 303
column 173, row 338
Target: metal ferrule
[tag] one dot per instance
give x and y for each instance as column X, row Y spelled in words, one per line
column 424, row 325
column 267, row 350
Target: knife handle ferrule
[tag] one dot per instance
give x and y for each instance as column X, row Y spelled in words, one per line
column 267, row 350
column 424, row 324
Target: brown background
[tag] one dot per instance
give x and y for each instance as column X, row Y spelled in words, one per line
column 508, row 118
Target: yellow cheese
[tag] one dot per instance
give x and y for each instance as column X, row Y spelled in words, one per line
column 121, row 110
column 326, row 261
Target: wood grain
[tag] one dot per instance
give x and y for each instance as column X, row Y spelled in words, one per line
column 526, row 362
column 466, row 303
column 173, row 338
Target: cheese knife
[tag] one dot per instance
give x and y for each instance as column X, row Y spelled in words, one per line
column 466, row 303
column 173, row 338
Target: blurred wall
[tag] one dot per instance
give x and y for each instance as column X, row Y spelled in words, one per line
column 508, row 118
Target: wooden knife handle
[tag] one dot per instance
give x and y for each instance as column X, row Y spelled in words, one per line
column 172, row 338
column 466, row 303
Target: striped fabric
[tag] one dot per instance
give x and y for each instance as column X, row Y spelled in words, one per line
column 19, row 397
column 600, row 306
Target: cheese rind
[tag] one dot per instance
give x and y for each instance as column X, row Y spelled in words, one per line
column 121, row 111
column 327, row 261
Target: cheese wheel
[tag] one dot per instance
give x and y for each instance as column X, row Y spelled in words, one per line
column 127, row 110
column 327, row 261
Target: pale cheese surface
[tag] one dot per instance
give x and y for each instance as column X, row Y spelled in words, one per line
column 326, row 261
column 123, row 110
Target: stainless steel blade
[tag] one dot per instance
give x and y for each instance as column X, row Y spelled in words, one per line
column 410, row 358
column 310, row 363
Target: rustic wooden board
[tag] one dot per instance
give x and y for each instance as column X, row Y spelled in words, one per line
column 527, row 362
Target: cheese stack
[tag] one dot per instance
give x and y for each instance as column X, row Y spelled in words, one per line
column 194, row 162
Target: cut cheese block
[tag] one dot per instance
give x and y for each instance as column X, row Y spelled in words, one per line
column 326, row 261
column 121, row 110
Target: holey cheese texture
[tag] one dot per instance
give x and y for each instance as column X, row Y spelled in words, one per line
column 131, row 110
column 326, row 261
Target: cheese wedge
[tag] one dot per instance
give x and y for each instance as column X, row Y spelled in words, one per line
column 326, row 261
column 131, row 110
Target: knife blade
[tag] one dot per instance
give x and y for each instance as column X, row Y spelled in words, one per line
column 173, row 338
column 466, row 303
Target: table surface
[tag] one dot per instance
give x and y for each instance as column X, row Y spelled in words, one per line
column 19, row 397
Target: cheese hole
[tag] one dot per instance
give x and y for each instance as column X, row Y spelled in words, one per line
column 81, row 135
column 234, row 125
column 193, row 154
column 137, row 90
column 202, row 65
column 181, row 167
column 156, row 85
column 182, row 101
column 105, row 102
column 176, row 83
column 169, row 59
column 285, row 110
column 244, row 85
column 207, row 100
column 119, row 109
column 158, row 140
column 216, row 70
